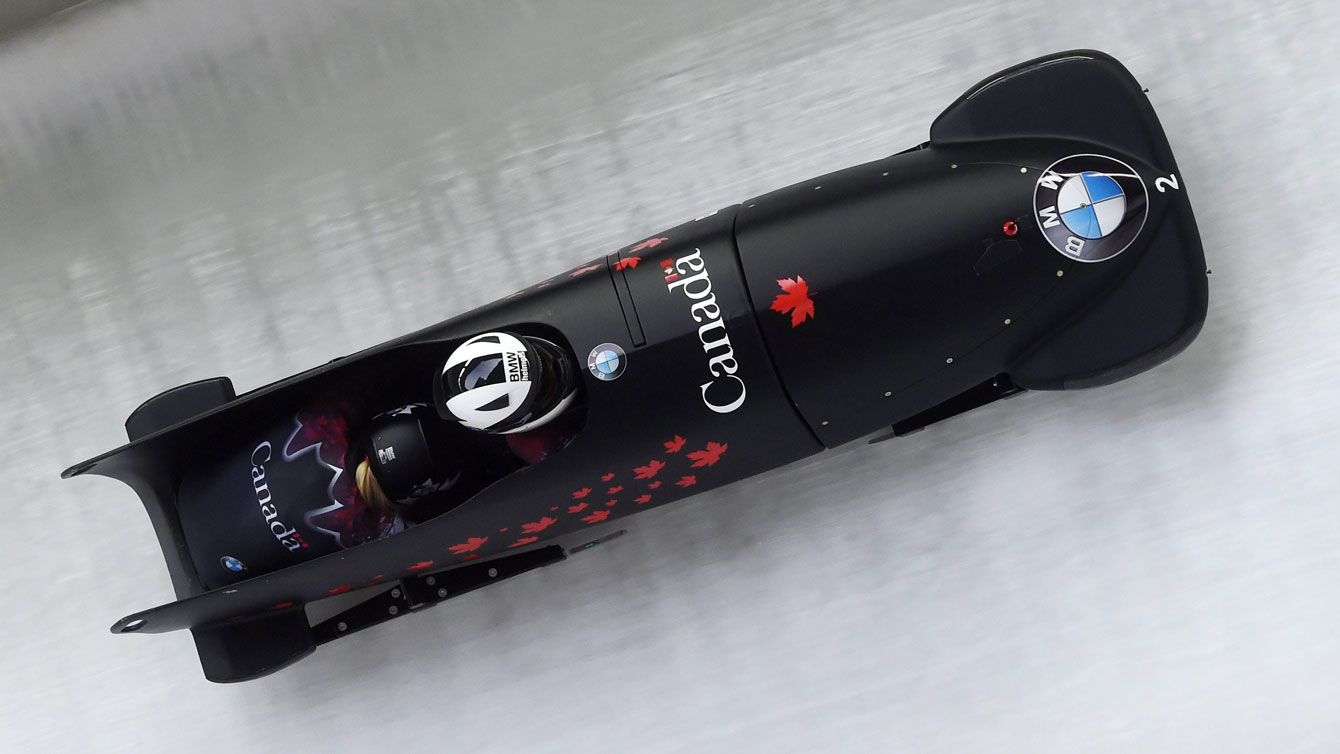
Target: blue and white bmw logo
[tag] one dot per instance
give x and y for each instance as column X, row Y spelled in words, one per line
column 1090, row 207
column 607, row 361
column 232, row 564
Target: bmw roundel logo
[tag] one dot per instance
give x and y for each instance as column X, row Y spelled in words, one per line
column 232, row 564
column 1090, row 207
column 607, row 361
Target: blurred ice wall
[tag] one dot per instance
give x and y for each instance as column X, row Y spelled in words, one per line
column 251, row 188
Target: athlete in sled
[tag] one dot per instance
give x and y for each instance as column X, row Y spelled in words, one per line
column 1040, row 240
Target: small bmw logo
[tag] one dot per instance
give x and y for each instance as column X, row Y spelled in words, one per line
column 607, row 361
column 232, row 564
column 1090, row 207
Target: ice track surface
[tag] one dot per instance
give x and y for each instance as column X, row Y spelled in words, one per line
column 252, row 188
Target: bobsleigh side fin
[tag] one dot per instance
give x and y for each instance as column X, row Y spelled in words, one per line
column 1084, row 95
column 260, row 645
column 177, row 405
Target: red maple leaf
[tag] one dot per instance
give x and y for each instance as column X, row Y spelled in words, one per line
column 675, row 445
column 648, row 471
column 540, row 525
column 523, row 542
column 615, row 490
column 503, row 530
column 687, row 481
column 596, row 517
column 469, row 545
column 654, row 485
column 607, row 477
column 578, row 508
column 579, row 494
column 470, row 557
column 611, row 503
column 422, row 564
column 584, row 270
column 709, row 455
column 281, row 605
column 339, row 589
column 650, row 243
column 794, row 298
column 627, row 262
column 640, row 499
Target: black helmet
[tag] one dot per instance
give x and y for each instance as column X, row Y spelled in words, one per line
column 503, row 383
column 406, row 455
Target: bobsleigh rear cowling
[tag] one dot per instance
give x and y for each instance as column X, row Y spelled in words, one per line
column 1041, row 239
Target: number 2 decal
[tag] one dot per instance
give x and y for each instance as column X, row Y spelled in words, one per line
column 1163, row 184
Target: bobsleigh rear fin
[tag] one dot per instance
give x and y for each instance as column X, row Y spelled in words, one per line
column 151, row 475
column 1083, row 95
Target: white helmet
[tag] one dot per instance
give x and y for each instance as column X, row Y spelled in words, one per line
column 499, row 382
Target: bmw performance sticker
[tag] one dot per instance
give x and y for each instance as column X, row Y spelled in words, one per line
column 1090, row 207
column 607, row 361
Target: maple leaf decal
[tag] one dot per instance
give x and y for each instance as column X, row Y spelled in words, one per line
column 596, row 516
column 648, row 471
column 584, row 270
column 675, row 445
column 794, row 299
column 709, row 455
column 650, row 243
column 523, row 542
column 627, row 262
column 687, row 481
column 611, row 503
column 615, row 490
column 422, row 564
column 607, row 477
column 339, row 589
column 540, row 525
column 578, row 508
column 654, row 485
column 469, row 545
column 579, row 494
column 640, row 499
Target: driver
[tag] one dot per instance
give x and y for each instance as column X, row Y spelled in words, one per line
column 498, row 383
column 503, row 383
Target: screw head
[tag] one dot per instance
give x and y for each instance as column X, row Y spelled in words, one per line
column 442, row 592
column 493, row 573
column 341, row 626
column 393, row 610
column 430, row 580
column 395, row 592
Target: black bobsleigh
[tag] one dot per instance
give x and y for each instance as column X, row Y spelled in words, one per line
column 1042, row 239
